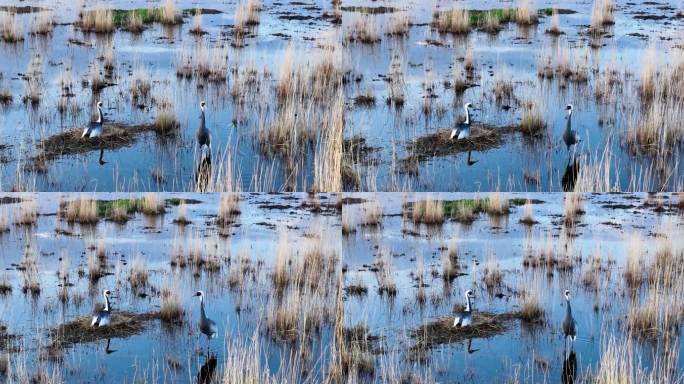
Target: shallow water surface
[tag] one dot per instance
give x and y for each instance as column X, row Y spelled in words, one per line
column 233, row 264
column 589, row 259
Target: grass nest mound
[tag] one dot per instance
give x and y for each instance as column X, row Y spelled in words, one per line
column 442, row 331
column 70, row 142
column 124, row 324
column 482, row 138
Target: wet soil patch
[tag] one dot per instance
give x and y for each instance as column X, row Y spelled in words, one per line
column 370, row 10
column 10, row 200
column 352, row 200
column 290, row 16
column 21, row 10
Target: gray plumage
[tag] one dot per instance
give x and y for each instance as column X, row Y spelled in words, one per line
column 206, row 325
column 94, row 129
column 569, row 323
column 203, row 134
column 462, row 130
column 103, row 317
column 465, row 317
column 569, row 135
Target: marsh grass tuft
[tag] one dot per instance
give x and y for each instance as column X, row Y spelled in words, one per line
column 10, row 28
column 166, row 122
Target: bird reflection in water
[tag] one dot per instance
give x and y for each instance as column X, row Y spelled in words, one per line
column 569, row 371
column 107, row 349
column 570, row 175
column 206, row 372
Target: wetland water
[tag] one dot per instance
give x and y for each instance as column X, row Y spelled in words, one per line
column 296, row 97
column 404, row 279
column 514, row 71
column 54, row 273
column 140, row 76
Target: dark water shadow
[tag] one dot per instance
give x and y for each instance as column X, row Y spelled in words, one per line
column 569, row 371
column 206, row 372
column 570, row 175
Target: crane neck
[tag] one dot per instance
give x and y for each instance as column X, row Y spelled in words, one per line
column 99, row 114
column 467, row 304
column 568, row 309
column 106, row 308
column 467, row 120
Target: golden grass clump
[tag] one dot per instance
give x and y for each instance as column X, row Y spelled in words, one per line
column 399, row 24
column 171, row 310
column 26, row 213
column 602, row 14
column 532, row 123
column 328, row 156
column 4, row 221
column 458, row 78
column 282, row 321
column 135, row 23
column 503, row 84
column 137, row 274
column 182, row 217
column 140, row 84
column 531, row 310
column 490, row 23
column 634, row 267
column 119, row 214
column 348, row 222
column 229, row 207
column 95, row 270
column 385, row 274
column 363, row 29
column 455, row 21
column 197, row 23
column 42, row 23
column 396, row 82
column 82, row 210
column 428, row 211
column 5, row 284
column 554, row 27
column 573, row 207
column 528, row 214
column 166, row 120
column 100, row 20
column 648, row 72
column 372, row 213
column 212, row 63
column 247, row 14
column 281, row 276
column 493, row 277
column 497, row 204
column 152, row 205
column 10, row 28
column 450, row 268
column 169, row 14
column 526, row 14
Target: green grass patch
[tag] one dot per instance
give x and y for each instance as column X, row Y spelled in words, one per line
column 176, row 201
column 457, row 208
column 120, row 17
column 502, row 15
column 105, row 208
